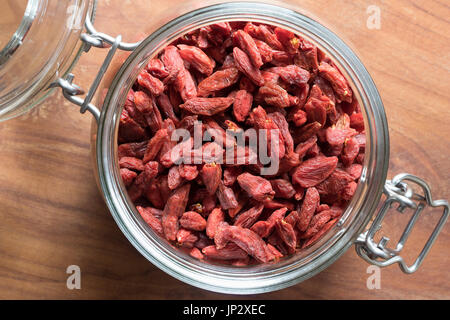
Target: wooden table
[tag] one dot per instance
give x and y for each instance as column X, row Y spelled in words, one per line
column 52, row 214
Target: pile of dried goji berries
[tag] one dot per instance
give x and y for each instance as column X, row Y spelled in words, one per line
column 239, row 76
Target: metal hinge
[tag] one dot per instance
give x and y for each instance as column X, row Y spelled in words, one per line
column 398, row 192
column 92, row 38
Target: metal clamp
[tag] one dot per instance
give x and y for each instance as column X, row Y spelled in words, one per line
column 99, row 40
column 400, row 193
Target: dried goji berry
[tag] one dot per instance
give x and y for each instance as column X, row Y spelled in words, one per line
column 185, row 85
column 149, row 82
column 278, row 204
column 357, row 121
column 130, row 130
column 350, row 151
column 292, row 218
column 283, row 188
column 127, row 176
column 186, row 238
column 257, row 187
column 229, row 252
column 132, row 149
column 207, row 106
column 313, row 171
column 242, row 105
column 288, row 40
column 193, row 221
column 244, row 64
column 354, row 170
column 131, row 163
column 166, row 107
column 337, row 81
column 150, row 219
column 211, row 174
column 173, row 63
column 196, row 58
column 154, row 145
column 226, row 197
column 247, row 218
column 174, row 178
column 143, row 180
column 214, row 219
column 332, row 188
column 308, row 208
column 349, row 190
column 262, row 32
column 230, row 175
column 303, row 147
column 317, row 222
column 196, row 253
column 292, row 74
column 265, row 51
column 157, row 68
column 174, row 208
column 287, row 234
column 248, row 45
column 219, row 80
column 307, row 131
column 246, row 239
column 274, row 95
column 283, row 126
column 320, row 233
column 188, row 172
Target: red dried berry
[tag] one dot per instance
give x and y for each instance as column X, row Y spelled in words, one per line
column 149, row 217
column 127, row 176
column 219, row 80
column 308, row 208
column 229, row 252
column 174, row 208
column 313, row 171
column 149, row 82
column 214, row 219
column 211, row 174
column 337, row 81
column 242, row 105
column 248, row 218
column 193, row 221
column 196, row 58
column 207, row 106
column 248, row 45
column 244, row 64
column 257, row 187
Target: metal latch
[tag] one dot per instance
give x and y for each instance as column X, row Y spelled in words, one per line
column 92, row 38
column 399, row 193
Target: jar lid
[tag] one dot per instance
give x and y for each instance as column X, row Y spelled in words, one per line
column 39, row 43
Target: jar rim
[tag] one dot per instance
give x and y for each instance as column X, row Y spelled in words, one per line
column 259, row 278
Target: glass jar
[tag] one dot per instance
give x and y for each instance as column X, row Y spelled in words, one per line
column 110, row 97
column 31, row 60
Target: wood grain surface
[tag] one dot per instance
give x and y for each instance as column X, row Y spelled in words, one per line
column 52, row 214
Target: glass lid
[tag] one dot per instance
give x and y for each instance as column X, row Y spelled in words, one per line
column 14, row 25
column 39, row 42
